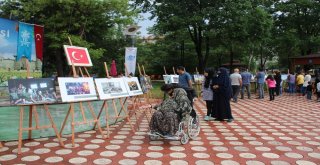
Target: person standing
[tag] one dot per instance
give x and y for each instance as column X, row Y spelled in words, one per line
column 307, row 79
column 185, row 82
column 278, row 79
column 260, row 81
column 300, row 81
column 291, row 82
column 207, row 92
column 246, row 79
column 271, row 86
column 236, row 82
column 309, row 91
column 222, row 88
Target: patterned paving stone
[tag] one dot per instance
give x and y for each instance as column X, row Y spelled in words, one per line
column 263, row 133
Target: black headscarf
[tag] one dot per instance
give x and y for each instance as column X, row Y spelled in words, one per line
column 208, row 79
column 224, row 83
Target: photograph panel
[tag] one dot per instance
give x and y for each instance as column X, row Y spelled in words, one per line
column 32, row 91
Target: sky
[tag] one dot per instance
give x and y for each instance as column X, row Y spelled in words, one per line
column 146, row 23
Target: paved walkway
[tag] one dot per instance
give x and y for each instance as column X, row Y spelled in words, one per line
column 284, row 131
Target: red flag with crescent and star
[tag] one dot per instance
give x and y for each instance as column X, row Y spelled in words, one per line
column 38, row 37
column 78, row 56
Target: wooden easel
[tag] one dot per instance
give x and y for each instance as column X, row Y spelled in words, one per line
column 149, row 93
column 165, row 71
column 33, row 112
column 72, row 105
column 135, row 100
column 198, row 84
column 117, row 115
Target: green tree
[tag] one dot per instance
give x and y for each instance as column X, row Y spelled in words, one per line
column 298, row 21
column 189, row 15
column 90, row 23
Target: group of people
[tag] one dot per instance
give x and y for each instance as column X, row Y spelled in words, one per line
column 300, row 83
column 218, row 89
column 179, row 105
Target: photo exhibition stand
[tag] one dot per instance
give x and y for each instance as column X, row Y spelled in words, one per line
column 33, row 113
column 137, row 106
column 75, row 70
column 117, row 115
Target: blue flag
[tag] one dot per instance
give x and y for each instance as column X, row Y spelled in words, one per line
column 25, row 41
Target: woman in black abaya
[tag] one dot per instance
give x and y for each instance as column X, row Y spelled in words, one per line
column 223, row 92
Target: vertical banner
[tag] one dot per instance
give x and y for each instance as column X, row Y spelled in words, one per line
column 25, row 41
column 38, row 36
column 8, row 41
column 130, row 59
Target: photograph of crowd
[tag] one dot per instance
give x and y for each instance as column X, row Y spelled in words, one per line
column 76, row 89
column 32, row 91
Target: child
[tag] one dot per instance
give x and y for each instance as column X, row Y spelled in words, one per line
column 309, row 91
column 271, row 85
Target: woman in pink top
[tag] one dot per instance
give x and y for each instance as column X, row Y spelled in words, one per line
column 271, row 85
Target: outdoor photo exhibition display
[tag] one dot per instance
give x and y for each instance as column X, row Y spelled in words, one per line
column 32, row 91
column 145, row 83
column 111, row 88
column 77, row 89
column 168, row 79
column 77, row 56
column 198, row 78
column 133, row 86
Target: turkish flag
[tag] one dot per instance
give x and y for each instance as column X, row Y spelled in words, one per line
column 78, row 56
column 38, row 37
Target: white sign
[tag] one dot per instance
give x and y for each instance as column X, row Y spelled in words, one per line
column 168, row 79
column 130, row 59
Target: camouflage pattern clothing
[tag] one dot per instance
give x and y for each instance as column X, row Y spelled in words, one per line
column 170, row 113
column 165, row 121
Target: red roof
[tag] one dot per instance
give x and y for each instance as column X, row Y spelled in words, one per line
column 316, row 55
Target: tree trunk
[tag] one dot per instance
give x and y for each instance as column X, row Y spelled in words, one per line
column 250, row 59
column 261, row 58
column 207, row 51
column 200, row 59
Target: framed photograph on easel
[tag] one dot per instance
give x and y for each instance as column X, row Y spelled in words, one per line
column 77, row 89
column 111, row 88
column 133, row 86
column 168, row 79
column 77, row 56
column 32, row 91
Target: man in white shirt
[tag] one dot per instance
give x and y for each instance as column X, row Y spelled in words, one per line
column 307, row 79
column 236, row 82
